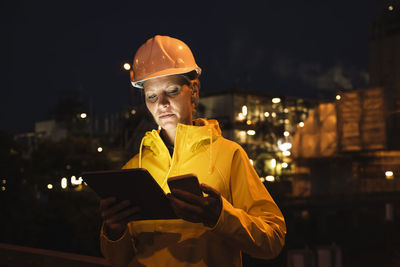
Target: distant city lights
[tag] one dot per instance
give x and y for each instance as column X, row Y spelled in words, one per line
column 262, row 179
column 389, row 175
column 244, row 110
column 75, row 181
column 301, row 124
column 338, row 97
column 4, row 181
column 133, row 112
column 99, row 149
column 276, row 100
column 284, row 146
column 273, row 114
column 285, row 165
column 50, row 186
column 286, row 133
column 64, row 183
column 251, row 162
column 83, row 115
column 251, row 132
column 286, row 153
column 266, row 114
column 3, row 188
column 273, row 163
column 390, row 8
column 270, row 178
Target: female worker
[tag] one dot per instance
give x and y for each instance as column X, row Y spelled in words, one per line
column 237, row 214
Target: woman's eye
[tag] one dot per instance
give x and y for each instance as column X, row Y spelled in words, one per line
column 152, row 98
column 173, row 91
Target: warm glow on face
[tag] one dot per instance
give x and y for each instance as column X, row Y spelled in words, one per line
column 248, row 122
column 3, row 188
column 127, row 66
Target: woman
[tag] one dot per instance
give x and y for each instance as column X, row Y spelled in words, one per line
column 237, row 214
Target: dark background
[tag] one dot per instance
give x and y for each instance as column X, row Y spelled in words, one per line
column 300, row 48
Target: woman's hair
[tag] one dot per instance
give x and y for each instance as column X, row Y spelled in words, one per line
column 192, row 80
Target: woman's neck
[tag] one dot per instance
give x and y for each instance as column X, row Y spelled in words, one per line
column 169, row 135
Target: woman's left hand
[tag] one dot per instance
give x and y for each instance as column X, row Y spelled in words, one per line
column 194, row 208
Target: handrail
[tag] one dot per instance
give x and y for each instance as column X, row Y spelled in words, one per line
column 13, row 255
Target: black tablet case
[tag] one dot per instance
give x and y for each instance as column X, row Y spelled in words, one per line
column 136, row 185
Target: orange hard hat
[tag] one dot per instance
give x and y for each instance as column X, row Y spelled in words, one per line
column 162, row 56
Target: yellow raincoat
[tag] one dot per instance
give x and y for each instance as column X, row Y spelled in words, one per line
column 250, row 221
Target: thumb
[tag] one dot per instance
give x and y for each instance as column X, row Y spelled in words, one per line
column 209, row 190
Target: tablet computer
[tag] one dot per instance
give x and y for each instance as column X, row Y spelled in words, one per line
column 136, row 185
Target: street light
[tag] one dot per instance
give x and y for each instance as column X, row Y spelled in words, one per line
column 127, row 66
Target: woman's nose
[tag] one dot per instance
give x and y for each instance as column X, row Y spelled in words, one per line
column 163, row 100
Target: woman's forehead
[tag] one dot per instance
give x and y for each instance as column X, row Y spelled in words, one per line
column 164, row 82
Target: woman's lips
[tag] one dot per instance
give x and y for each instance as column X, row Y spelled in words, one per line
column 164, row 116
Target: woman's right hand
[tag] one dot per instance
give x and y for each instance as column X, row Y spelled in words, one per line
column 116, row 216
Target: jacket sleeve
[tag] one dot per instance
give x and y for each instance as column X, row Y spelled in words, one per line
column 252, row 222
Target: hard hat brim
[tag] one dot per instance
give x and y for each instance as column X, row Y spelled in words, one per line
column 163, row 73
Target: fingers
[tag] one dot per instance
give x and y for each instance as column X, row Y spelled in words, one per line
column 185, row 210
column 107, row 202
column 123, row 216
column 188, row 197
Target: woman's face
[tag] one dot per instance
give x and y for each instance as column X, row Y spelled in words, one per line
column 168, row 99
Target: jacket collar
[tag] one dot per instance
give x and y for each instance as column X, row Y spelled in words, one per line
column 193, row 136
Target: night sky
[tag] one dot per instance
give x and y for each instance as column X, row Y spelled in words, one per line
column 299, row 48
